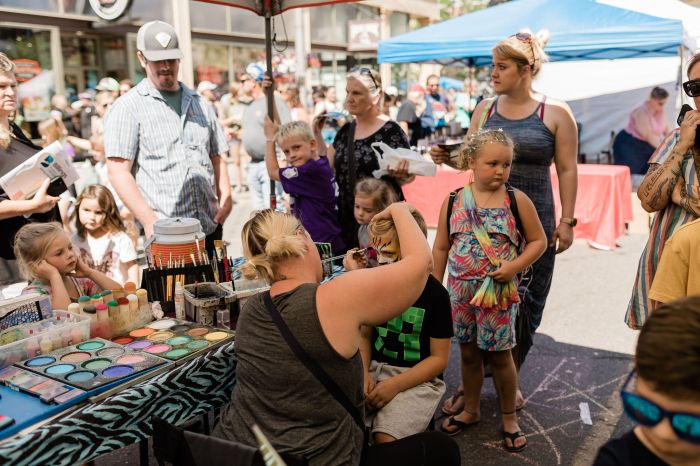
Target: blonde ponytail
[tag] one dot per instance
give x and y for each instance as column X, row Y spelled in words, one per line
column 268, row 238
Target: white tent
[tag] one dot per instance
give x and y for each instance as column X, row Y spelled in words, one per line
column 602, row 93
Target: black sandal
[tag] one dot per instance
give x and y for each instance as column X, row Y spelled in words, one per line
column 513, row 436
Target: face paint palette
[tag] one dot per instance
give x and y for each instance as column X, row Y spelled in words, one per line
column 173, row 339
column 94, row 365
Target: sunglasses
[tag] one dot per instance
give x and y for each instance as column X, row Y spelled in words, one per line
column 647, row 413
column 366, row 71
column 692, row 87
column 527, row 37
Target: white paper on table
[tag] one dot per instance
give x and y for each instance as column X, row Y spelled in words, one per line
column 585, row 412
column 389, row 157
column 26, row 178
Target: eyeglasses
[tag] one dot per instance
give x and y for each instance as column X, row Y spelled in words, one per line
column 647, row 413
column 527, row 37
column 692, row 87
column 366, row 71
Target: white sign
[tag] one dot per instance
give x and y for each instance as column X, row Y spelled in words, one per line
column 363, row 34
column 110, row 10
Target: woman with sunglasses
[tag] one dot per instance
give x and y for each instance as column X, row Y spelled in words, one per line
column 544, row 131
column 670, row 189
column 15, row 149
column 351, row 153
column 665, row 396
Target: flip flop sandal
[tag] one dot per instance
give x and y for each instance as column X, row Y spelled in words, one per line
column 451, row 421
column 453, row 399
column 513, row 436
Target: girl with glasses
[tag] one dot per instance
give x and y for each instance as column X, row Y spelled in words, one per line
column 670, row 189
column 544, row 131
column 662, row 394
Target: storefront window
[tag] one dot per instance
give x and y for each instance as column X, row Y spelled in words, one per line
column 79, row 7
column 149, row 10
column 398, row 23
column 210, row 61
column 114, row 56
column 323, row 29
column 247, row 22
column 30, row 50
column 79, row 51
column 208, row 16
column 51, row 5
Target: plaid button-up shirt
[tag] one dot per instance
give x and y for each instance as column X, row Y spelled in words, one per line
column 171, row 154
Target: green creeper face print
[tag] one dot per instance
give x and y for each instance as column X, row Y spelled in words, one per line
column 400, row 338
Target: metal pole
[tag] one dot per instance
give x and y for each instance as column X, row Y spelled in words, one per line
column 269, row 92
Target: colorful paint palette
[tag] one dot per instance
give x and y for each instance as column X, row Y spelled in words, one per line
column 94, row 365
column 173, row 339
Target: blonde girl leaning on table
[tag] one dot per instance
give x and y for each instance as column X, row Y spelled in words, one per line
column 670, row 189
column 544, row 131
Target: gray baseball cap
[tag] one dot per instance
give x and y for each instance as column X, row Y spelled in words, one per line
column 157, row 41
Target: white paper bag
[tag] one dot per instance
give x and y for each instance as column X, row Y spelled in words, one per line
column 389, row 158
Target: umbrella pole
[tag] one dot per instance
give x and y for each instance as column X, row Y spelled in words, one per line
column 270, row 93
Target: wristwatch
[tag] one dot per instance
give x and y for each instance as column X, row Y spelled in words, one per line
column 569, row 221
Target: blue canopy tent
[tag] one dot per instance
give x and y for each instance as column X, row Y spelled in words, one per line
column 579, row 30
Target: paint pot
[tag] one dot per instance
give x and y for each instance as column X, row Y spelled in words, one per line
column 80, row 376
column 179, row 340
column 110, row 352
column 75, row 356
column 139, row 345
column 131, row 359
column 160, row 336
column 90, row 345
column 162, row 324
column 157, row 349
column 197, row 344
column 97, row 364
column 141, row 332
column 176, row 353
column 122, row 340
column 59, row 369
column 216, row 336
column 180, row 328
column 40, row 361
column 198, row 332
column 118, row 371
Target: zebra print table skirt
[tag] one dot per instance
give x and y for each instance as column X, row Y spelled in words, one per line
column 195, row 388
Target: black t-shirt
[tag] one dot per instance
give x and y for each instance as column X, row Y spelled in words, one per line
column 627, row 451
column 20, row 150
column 404, row 341
column 407, row 113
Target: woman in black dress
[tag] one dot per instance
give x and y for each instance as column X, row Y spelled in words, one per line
column 364, row 95
column 15, row 148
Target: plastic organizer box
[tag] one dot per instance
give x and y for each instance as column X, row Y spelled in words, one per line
column 204, row 299
column 47, row 335
column 244, row 289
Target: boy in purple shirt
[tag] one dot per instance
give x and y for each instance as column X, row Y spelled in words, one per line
column 308, row 179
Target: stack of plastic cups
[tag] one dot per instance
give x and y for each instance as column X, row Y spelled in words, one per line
column 123, row 319
column 74, row 308
column 91, row 311
column 117, row 293
column 83, row 301
column 113, row 308
column 107, row 296
column 103, row 321
column 129, row 288
column 144, row 314
column 96, row 299
column 133, row 312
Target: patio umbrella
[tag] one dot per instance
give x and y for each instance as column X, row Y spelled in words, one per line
column 268, row 9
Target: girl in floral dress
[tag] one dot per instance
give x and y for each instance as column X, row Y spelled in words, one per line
column 479, row 246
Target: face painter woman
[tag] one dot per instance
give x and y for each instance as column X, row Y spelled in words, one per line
column 275, row 390
column 16, row 148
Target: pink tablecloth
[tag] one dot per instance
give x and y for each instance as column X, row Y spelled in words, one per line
column 603, row 203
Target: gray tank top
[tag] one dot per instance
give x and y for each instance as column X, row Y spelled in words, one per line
column 534, row 153
column 276, row 391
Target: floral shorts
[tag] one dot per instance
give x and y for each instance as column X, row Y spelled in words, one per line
column 494, row 330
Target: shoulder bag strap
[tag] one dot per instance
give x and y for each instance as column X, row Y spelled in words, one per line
column 486, row 113
column 313, row 366
column 352, row 160
column 451, row 201
column 514, row 210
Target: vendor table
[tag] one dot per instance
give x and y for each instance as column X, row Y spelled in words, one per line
column 603, row 202
column 198, row 386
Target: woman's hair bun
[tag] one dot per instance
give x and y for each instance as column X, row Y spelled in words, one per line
column 542, row 37
column 283, row 246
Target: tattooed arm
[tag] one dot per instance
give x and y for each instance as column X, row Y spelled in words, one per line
column 688, row 201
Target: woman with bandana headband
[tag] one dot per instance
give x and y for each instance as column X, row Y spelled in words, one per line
column 544, row 131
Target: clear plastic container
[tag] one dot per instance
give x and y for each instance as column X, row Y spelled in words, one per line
column 210, row 298
column 55, row 330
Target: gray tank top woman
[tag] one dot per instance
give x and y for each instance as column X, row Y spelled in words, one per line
column 276, row 391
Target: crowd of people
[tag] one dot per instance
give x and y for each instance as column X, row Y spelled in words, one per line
column 380, row 332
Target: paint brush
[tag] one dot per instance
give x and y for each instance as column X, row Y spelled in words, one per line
column 359, row 251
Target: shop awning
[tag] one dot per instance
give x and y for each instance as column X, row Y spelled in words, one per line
column 579, row 30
